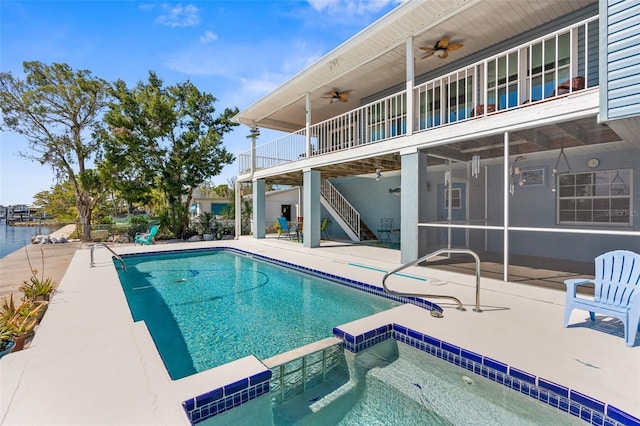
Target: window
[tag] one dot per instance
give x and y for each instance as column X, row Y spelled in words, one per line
column 595, row 197
column 502, row 81
column 548, row 64
column 456, row 200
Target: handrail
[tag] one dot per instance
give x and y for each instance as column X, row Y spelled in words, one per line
column 341, row 205
column 116, row 255
column 434, row 296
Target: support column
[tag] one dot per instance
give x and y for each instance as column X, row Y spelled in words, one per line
column 307, row 124
column 238, row 209
column 507, row 183
column 410, row 77
column 311, row 208
column 259, row 208
column 413, row 184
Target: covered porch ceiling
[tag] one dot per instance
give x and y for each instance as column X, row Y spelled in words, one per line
column 374, row 60
column 586, row 135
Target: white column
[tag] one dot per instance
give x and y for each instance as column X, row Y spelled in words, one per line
column 505, row 236
column 410, row 64
column 413, row 186
column 307, row 126
column 311, row 208
column 238, row 207
column 259, row 208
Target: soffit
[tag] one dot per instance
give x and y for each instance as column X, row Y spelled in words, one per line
column 374, row 59
column 584, row 136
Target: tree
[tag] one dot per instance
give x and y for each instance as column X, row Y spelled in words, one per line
column 59, row 202
column 56, row 109
column 165, row 138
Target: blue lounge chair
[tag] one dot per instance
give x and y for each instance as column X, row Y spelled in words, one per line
column 616, row 292
column 146, row 238
column 284, row 227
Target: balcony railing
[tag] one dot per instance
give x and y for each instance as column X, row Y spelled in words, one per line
column 542, row 69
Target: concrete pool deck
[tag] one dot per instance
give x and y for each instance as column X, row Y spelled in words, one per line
column 89, row 363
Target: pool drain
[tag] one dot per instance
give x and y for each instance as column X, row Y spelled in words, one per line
column 468, row 380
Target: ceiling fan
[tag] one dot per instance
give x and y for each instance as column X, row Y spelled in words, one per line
column 337, row 96
column 441, row 49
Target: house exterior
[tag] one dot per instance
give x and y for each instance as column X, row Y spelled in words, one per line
column 508, row 128
column 279, row 202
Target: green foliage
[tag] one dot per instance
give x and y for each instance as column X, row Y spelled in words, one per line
column 37, row 287
column 138, row 224
column 54, row 108
column 205, row 220
column 18, row 320
column 59, row 202
column 163, row 137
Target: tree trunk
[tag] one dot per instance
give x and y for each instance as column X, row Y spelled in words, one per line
column 84, row 211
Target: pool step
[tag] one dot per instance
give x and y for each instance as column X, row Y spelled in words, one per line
column 437, row 392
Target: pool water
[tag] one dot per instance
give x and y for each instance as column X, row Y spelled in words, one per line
column 207, row 308
column 403, row 385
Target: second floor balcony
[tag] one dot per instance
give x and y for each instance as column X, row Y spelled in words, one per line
column 543, row 69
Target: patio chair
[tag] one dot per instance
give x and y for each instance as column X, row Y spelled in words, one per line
column 146, row 238
column 616, row 291
column 384, row 233
column 323, row 228
column 284, row 227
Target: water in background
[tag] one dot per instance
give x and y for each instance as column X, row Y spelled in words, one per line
column 13, row 238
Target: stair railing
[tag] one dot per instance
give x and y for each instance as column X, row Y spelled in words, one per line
column 342, row 207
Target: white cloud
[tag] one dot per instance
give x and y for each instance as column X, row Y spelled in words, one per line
column 250, row 71
column 350, row 7
column 208, row 37
column 179, row 16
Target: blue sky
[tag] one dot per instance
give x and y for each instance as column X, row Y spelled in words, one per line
column 236, row 50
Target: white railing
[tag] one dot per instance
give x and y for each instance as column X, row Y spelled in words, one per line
column 553, row 65
column 279, row 151
column 340, row 204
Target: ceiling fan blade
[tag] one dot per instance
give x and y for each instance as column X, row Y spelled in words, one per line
column 454, row 46
column 444, row 54
column 428, row 49
column 343, row 97
column 444, row 42
column 428, row 54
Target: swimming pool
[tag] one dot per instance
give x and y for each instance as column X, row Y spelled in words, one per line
column 205, row 308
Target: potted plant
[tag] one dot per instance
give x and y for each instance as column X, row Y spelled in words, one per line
column 19, row 320
column 204, row 225
column 6, row 341
column 38, row 289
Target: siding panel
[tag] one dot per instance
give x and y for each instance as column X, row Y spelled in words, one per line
column 623, row 59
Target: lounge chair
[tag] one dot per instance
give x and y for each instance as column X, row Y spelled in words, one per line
column 616, row 292
column 146, row 238
column 284, row 227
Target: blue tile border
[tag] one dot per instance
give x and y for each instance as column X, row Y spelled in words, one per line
column 217, row 401
column 557, row 396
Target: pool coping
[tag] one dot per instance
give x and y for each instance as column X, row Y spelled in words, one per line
column 117, row 377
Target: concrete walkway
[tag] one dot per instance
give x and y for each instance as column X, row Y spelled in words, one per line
column 50, row 260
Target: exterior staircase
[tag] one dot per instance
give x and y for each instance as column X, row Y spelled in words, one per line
column 344, row 214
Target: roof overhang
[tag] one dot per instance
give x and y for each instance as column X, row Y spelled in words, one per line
column 374, row 60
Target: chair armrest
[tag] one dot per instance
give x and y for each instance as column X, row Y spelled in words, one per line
column 573, row 283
